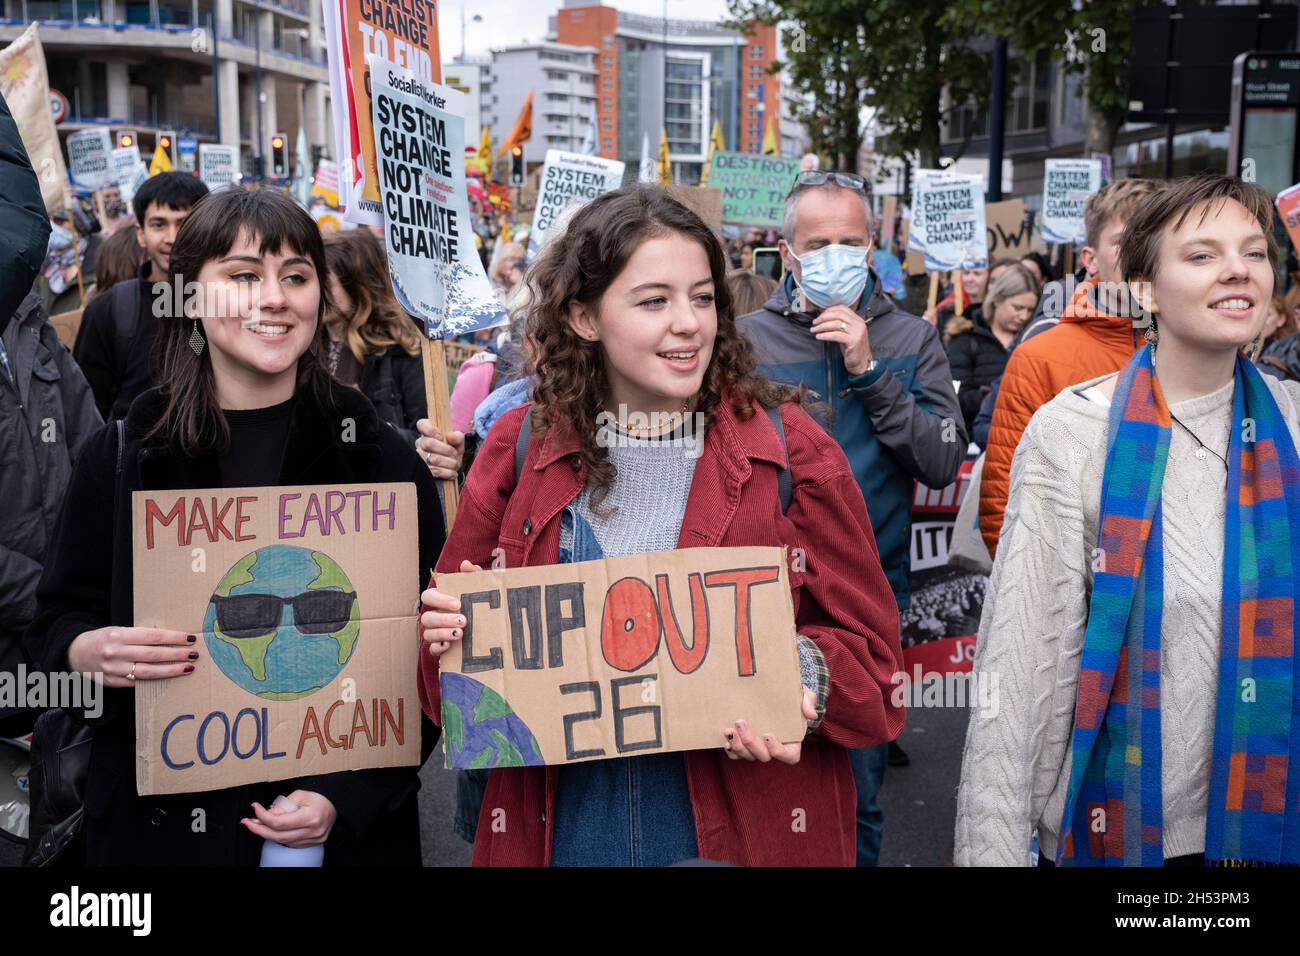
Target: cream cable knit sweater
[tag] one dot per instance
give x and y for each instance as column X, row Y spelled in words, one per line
column 1016, row 768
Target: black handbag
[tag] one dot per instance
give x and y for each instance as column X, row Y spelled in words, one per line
column 60, row 761
column 60, row 765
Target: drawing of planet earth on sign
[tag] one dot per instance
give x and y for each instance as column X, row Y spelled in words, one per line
column 283, row 622
column 481, row 730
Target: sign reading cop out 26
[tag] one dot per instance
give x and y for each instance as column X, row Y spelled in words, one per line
column 598, row 659
column 753, row 187
column 303, row 599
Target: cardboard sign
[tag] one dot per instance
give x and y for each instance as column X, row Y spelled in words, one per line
column 704, row 201
column 753, row 187
column 436, row 272
column 641, row 654
column 25, row 86
column 1067, row 184
column 88, row 159
column 569, row 179
column 401, row 32
column 949, row 224
column 304, row 599
column 1288, row 209
column 218, row 165
column 128, row 171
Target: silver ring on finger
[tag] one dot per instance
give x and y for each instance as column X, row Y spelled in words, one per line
column 844, row 326
column 131, row 674
column 428, row 457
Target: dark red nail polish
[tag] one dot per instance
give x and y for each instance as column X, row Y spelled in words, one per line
column 190, row 638
column 194, row 655
column 189, row 668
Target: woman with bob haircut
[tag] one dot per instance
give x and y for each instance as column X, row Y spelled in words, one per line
column 242, row 400
column 631, row 322
column 1141, row 610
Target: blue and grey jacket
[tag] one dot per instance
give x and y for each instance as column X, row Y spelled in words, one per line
column 897, row 423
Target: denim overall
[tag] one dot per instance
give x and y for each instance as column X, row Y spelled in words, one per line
column 627, row 811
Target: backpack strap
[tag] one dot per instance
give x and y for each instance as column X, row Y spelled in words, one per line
column 521, row 444
column 784, row 485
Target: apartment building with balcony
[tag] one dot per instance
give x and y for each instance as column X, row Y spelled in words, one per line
column 562, row 79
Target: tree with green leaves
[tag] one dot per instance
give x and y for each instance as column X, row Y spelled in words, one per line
column 895, row 57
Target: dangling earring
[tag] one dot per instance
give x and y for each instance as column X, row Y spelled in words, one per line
column 197, row 341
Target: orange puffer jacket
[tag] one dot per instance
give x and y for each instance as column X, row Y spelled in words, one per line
column 1086, row 344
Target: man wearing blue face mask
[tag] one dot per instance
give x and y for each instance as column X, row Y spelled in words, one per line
column 884, row 376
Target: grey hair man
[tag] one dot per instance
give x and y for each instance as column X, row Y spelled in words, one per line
column 884, row 376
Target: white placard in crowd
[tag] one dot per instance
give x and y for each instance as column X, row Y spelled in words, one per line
column 436, row 272
column 952, row 210
column 569, row 179
column 128, row 171
column 218, row 165
column 88, row 159
column 1067, row 184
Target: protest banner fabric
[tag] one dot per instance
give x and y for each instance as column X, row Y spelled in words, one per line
column 569, row 179
column 436, row 272
column 89, row 152
column 1288, row 210
column 304, row 599
column 218, row 165
column 25, row 86
column 571, row 662
column 1067, row 184
column 951, row 211
column 128, row 170
column 401, row 32
column 753, row 187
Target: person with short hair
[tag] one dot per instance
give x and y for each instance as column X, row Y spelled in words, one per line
column 1139, row 616
column 748, row 290
column 1094, row 336
column 114, row 344
column 883, row 375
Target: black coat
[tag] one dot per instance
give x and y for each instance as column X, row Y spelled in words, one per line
column 88, row 584
column 46, row 413
column 394, row 383
column 24, row 227
column 977, row 358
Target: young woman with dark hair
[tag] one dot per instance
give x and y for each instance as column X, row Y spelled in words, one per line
column 629, row 320
column 242, row 400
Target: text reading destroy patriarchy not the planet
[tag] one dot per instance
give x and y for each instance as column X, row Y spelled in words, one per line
column 412, row 150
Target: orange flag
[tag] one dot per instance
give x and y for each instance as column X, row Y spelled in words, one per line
column 523, row 128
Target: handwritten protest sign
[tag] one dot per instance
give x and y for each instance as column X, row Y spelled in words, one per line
column 753, row 187
column 569, row 179
column 1067, row 184
column 218, row 165
column 952, row 234
column 25, row 86
column 641, row 654
column 401, row 32
column 304, row 601
column 1288, row 210
column 436, row 272
column 88, row 158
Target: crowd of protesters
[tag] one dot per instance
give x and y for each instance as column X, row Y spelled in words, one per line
column 1117, row 494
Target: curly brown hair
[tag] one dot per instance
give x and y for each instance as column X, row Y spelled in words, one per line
column 377, row 321
column 571, row 385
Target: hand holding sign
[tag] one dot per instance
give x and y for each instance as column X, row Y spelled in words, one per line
column 442, row 620
column 442, row 457
column 743, row 744
column 123, row 655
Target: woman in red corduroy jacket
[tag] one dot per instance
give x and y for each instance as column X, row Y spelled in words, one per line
column 634, row 345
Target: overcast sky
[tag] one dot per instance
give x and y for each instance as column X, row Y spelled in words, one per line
column 508, row 22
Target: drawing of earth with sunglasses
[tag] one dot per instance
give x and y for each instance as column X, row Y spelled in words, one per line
column 282, row 622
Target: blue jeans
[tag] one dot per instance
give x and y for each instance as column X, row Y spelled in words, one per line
column 628, row 811
column 868, row 774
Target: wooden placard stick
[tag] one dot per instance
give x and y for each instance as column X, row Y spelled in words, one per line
column 438, row 397
column 957, row 291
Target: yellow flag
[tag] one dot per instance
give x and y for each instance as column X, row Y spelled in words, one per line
column 161, row 162
column 716, row 145
column 505, row 232
column 485, row 153
column 665, row 167
column 771, row 145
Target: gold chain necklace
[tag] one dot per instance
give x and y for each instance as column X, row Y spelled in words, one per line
column 674, row 419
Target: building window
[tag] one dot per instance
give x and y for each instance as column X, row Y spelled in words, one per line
column 756, row 52
column 756, row 71
column 607, row 62
column 607, row 81
column 607, row 122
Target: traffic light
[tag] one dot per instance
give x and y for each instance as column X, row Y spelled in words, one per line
column 280, row 155
column 126, row 138
column 167, row 140
column 516, row 166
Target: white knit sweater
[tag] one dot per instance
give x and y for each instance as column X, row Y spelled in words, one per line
column 1016, row 768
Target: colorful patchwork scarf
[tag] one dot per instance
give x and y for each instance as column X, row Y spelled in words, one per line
column 1114, row 812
